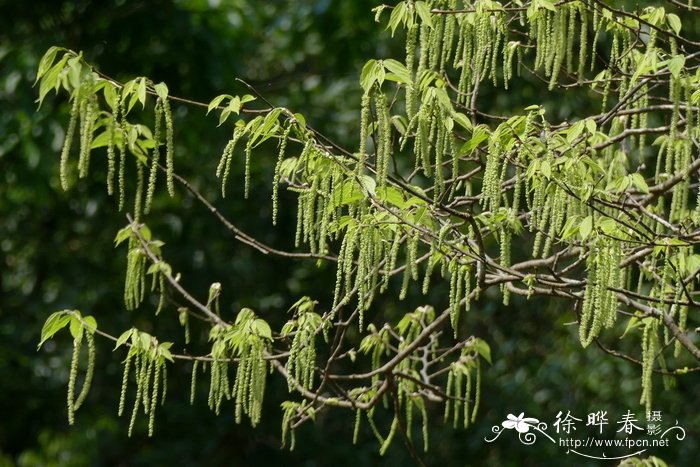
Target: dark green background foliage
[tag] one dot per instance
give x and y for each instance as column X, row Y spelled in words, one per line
column 54, row 245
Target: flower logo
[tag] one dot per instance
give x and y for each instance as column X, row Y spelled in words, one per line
column 520, row 423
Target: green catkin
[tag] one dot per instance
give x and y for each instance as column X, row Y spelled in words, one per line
column 154, row 398
column 675, row 89
column 491, row 186
column 570, row 38
column 583, row 42
column 193, row 382
column 87, row 124
column 139, row 191
column 161, row 301
column 495, row 44
column 505, row 243
column 147, row 384
column 411, row 99
column 246, row 184
column 89, row 372
column 454, row 293
column 68, row 141
column 588, row 314
column 125, row 381
column 477, row 391
column 435, row 40
column 352, row 236
column 549, row 37
column 458, row 386
column 213, row 384
column 164, row 380
column 169, row 147
column 597, row 27
column 139, row 365
column 300, row 220
column 364, row 133
column 448, row 394
column 405, row 282
column 223, row 170
column 384, row 139
column 536, row 34
column 467, row 398
column 412, row 245
column 72, row 377
column 424, row 420
column 650, row 343
column 427, row 142
column 481, row 46
column 134, row 411
column 558, row 50
column 113, row 128
column 409, row 410
column 467, row 288
column 390, row 436
column 424, row 48
column 276, row 176
column 154, row 158
column 466, row 38
column 122, row 170
column 448, row 36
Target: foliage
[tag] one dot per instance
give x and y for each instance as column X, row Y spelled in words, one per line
column 436, row 187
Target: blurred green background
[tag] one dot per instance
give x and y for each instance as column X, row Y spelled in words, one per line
column 55, row 247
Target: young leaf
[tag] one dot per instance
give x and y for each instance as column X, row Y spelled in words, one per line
column 161, row 90
column 216, row 101
column 399, row 70
column 423, row 11
column 123, row 338
column 586, row 227
column 53, row 324
column 674, row 22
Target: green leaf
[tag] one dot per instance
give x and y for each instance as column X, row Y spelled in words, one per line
column 224, row 115
column 398, row 16
column 46, row 62
column 675, row 65
column 462, row 120
column 483, row 349
column 50, row 81
column 591, row 126
column 123, row 338
column 76, row 326
column 216, row 101
column 141, row 92
column 392, row 196
column 265, row 131
column 164, row 351
column 90, row 324
column 423, row 11
column 370, row 74
column 399, row 70
column 633, row 323
column 301, row 120
column 368, row 184
column 161, row 90
column 110, row 93
column 247, row 98
column 262, row 329
column 586, row 227
column 674, row 21
column 53, row 324
column 638, row 181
